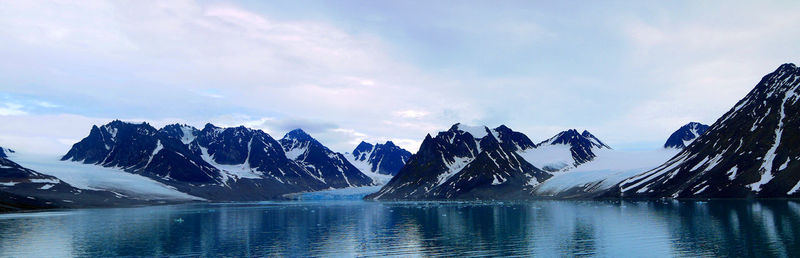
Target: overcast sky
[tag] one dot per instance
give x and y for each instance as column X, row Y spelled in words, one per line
column 631, row 72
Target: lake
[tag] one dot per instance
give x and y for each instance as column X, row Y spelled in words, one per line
column 364, row 228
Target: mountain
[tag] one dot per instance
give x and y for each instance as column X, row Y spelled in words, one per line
column 5, row 152
column 331, row 167
column 144, row 150
column 564, row 151
column 384, row 159
column 685, row 135
column 751, row 151
column 465, row 162
column 220, row 164
column 22, row 188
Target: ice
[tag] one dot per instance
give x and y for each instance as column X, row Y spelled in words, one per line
column 351, row 193
column 557, row 157
column 609, row 168
column 366, row 168
column 94, row 177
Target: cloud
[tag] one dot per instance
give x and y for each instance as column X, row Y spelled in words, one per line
column 411, row 113
column 46, row 104
column 12, row 109
column 399, row 76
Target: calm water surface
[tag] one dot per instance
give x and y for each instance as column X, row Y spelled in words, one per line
column 359, row 228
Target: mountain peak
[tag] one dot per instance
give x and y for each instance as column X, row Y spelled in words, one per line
column 298, row 134
column 364, row 145
column 4, row 152
column 787, row 67
column 564, row 137
column 581, row 145
column 685, row 135
column 477, row 132
column 595, row 141
column 209, row 126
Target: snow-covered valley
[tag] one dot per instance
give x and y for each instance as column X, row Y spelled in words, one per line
column 93, row 177
column 609, row 168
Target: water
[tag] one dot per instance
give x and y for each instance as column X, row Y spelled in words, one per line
column 360, row 228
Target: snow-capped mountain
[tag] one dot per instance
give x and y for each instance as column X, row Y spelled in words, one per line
column 331, row 167
column 382, row 159
column 751, row 151
column 214, row 163
column 465, row 162
column 564, row 151
column 142, row 149
column 685, row 135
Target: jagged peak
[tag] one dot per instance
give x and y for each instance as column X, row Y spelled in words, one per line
column 364, row 145
column 210, row 126
column 594, row 140
column 787, row 67
column 117, row 123
column 503, row 128
column 571, row 136
column 362, row 148
column 389, row 144
column 477, row 132
column 178, row 126
column 298, row 134
column 685, row 135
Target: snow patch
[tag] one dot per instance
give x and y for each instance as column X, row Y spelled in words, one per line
column 187, row 136
column 732, row 173
column 477, row 132
column 453, row 168
column 233, row 171
column 295, row 153
column 766, row 164
column 45, row 181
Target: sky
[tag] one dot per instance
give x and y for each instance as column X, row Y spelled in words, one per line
column 631, row 72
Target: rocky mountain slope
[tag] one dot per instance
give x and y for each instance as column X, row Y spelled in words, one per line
column 751, row 151
column 465, row 163
column 564, row 151
column 381, row 159
column 331, row 167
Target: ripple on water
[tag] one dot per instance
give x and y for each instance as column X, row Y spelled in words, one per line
column 358, row 228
